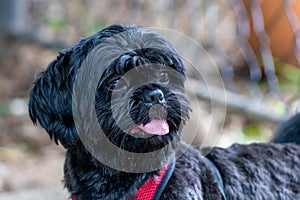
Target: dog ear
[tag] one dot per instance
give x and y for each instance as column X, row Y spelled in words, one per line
column 50, row 101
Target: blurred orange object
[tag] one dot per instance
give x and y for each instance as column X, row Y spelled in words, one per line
column 279, row 27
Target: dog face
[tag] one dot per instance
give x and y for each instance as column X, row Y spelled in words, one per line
column 139, row 99
column 145, row 90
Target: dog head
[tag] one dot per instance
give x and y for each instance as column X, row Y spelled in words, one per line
column 139, row 97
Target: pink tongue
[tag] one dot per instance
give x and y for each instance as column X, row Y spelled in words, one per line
column 156, row 127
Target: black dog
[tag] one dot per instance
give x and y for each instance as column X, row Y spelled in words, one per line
column 139, row 105
column 289, row 131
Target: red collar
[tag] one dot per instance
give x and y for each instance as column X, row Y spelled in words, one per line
column 153, row 188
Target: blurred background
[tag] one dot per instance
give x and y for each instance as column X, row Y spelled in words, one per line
column 255, row 45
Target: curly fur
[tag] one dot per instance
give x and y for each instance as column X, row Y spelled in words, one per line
column 255, row 171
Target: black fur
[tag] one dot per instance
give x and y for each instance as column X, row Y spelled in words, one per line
column 256, row 171
column 289, row 131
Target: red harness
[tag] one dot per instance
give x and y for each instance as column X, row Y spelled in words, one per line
column 150, row 188
column 147, row 191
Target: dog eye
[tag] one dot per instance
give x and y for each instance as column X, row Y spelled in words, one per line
column 164, row 77
column 118, row 84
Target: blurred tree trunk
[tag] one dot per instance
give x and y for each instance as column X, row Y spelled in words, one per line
column 15, row 27
column 12, row 21
column 12, row 15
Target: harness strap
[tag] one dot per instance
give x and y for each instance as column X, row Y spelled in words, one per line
column 165, row 179
column 162, row 180
column 217, row 176
column 153, row 188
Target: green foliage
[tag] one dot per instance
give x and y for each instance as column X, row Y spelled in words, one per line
column 288, row 76
column 278, row 107
column 92, row 26
column 287, row 71
column 252, row 130
column 57, row 21
column 3, row 108
column 256, row 132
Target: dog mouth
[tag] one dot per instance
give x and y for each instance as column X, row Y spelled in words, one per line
column 152, row 123
column 153, row 127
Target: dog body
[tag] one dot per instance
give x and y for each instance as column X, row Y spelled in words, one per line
column 140, row 107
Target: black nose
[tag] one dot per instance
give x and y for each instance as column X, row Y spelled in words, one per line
column 155, row 96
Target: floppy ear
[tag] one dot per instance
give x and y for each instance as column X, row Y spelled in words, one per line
column 50, row 101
